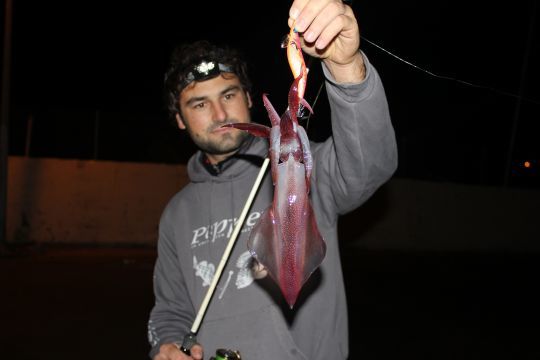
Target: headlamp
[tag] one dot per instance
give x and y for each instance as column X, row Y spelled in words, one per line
column 205, row 70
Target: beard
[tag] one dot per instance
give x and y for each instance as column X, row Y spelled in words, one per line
column 225, row 144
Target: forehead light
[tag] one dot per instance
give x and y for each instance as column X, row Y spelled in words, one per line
column 205, row 67
column 205, row 70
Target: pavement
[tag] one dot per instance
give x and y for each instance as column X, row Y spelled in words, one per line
column 90, row 302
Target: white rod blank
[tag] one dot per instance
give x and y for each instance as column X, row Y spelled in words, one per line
column 228, row 249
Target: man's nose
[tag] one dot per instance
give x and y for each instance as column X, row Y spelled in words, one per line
column 220, row 114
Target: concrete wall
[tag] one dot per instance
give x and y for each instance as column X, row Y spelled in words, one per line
column 426, row 216
column 75, row 201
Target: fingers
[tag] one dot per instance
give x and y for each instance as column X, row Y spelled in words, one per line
column 323, row 31
column 320, row 21
column 329, row 31
column 258, row 270
column 304, row 12
column 296, row 8
column 172, row 352
column 197, row 352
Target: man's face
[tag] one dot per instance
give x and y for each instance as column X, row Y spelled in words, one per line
column 207, row 105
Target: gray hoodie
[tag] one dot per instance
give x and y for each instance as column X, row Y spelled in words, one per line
column 251, row 315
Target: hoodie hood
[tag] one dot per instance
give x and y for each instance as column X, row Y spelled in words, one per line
column 249, row 157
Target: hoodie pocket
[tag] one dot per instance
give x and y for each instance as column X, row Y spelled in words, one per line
column 259, row 334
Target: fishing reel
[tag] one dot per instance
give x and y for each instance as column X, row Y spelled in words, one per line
column 226, row 354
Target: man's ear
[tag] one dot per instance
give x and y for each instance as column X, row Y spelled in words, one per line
column 180, row 122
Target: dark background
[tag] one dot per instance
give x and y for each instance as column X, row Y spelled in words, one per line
column 89, row 76
column 89, row 304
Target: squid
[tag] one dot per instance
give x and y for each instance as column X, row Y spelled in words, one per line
column 286, row 239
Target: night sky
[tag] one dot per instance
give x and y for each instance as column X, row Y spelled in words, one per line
column 89, row 74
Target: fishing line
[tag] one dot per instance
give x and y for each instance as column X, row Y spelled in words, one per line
column 314, row 103
column 443, row 77
column 432, row 74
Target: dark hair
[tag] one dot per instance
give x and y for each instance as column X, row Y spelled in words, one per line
column 185, row 57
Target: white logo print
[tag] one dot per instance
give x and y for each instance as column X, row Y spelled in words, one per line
column 245, row 276
column 205, row 235
column 205, row 270
column 224, row 287
column 153, row 338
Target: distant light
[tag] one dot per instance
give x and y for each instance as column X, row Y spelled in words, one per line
column 527, row 164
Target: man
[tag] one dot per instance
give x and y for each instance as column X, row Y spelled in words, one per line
column 208, row 87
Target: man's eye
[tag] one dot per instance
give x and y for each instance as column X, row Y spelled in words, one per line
column 229, row 96
column 198, row 106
